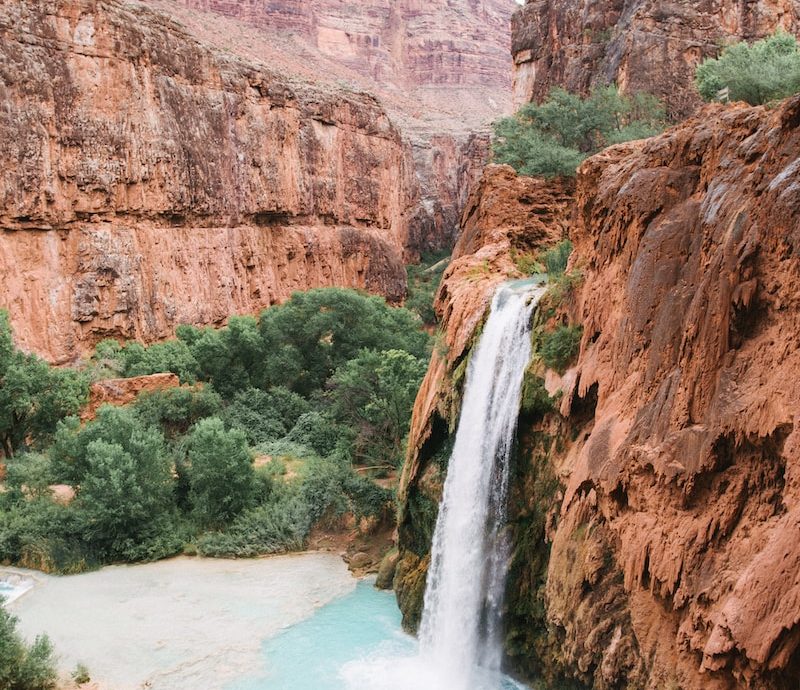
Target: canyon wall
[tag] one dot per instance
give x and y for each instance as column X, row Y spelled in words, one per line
column 148, row 181
column 442, row 70
column 642, row 45
column 655, row 500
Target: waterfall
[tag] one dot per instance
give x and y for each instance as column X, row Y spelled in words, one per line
column 460, row 630
column 460, row 646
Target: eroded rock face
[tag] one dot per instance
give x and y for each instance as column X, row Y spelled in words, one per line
column 642, row 45
column 148, row 181
column 655, row 514
column 441, row 69
column 119, row 392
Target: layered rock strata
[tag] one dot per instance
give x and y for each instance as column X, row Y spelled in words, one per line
column 148, row 181
column 654, row 513
column 642, row 45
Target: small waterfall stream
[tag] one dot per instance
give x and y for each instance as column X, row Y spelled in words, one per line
column 460, row 642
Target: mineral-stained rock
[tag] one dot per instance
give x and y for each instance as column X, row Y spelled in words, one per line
column 148, row 181
column 643, row 45
column 666, row 553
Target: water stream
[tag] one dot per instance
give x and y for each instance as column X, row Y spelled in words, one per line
column 460, row 638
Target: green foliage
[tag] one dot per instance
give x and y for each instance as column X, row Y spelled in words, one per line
column 315, row 332
column 80, row 675
column 374, row 394
column 318, row 431
column 266, row 415
column 552, row 138
column 177, row 409
column 231, row 357
column 560, row 346
column 125, row 503
column 221, row 473
column 555, row 259
column 33, row 395
column 536, row 401
column 274, row 527
column 24, row 667
column 423, row 282
column 767, row 70
column 527, row 263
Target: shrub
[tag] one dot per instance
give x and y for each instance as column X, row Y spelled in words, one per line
column 374, row 394
column 175, row 410
column 535, row 398
column 317, row 431
column 555, row 259
column 767, row 70
column 277, row 526
column 33, row 395
column 265, row 415
column 423, row 283
column 560, row 346
column 552, row 138
column 221, row 476
column 24, row 667
column 125, row 503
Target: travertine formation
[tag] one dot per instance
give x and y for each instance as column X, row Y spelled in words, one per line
column 643, row 45
column 656, row 512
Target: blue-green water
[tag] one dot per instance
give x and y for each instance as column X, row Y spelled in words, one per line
column 353, row 643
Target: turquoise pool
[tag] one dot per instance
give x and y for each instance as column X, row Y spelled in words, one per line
column 353, row 643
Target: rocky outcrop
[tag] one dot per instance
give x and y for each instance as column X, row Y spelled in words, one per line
column 120, row 392
column 148, row 181
column 655, row 513
column 642, row 45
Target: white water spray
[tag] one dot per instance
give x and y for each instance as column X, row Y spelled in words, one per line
column 460, row 630
column 460, row 636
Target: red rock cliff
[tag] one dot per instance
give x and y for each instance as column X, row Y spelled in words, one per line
column 643, row 45
column 147, row 181
column 656, row 515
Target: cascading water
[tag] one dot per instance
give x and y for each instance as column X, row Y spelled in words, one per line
column 460, row 636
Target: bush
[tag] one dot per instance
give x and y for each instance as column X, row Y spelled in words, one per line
column 278, row 526
column 221, row 476
column 552, row 138
column 423, row 283
column 24, row 667
column 374, row 394
column 175, row 410
column 33, row 395
column 555, row 259
column 560, row 346
column 767, row 70
column 317, row 431
column 125, row 503
column 535, row 398
column 265, row 416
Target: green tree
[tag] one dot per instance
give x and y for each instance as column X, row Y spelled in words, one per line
column 767, row 70
column 125, row 500
column 221, row 476
column 552, row 138
column 24, row 667
column 230, row 358
column 307, row 338
column 374, row 394
column 175, row 410
column 33, row 395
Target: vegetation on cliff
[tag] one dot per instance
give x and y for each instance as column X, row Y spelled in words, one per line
column 552, row 138
column 284, row 418
column 765, row 71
